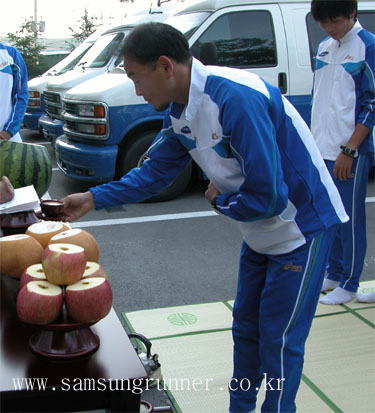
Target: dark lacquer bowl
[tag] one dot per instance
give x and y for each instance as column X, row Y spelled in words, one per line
column 52, row 207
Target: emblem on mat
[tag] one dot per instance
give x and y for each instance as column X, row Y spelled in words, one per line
column 182, row 319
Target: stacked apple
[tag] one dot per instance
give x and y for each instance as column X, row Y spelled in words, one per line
column 64, row 276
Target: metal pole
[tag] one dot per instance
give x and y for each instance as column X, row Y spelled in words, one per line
column 36, row 20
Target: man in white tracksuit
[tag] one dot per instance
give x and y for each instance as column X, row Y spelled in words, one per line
column 342, row 124
column 265, row 172
column 13, row 93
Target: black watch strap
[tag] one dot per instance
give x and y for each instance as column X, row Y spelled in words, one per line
column 347, row 151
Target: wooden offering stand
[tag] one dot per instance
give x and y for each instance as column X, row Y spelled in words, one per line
column 64, row 339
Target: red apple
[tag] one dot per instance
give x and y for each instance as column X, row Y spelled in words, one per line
column 63, row 264
column 89, row 299
column 94, row 269
column 32, row 273
column 39, row 302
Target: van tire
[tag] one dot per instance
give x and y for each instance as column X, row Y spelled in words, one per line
column 132, row 156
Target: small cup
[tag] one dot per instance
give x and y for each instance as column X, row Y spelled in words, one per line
column 51, row 207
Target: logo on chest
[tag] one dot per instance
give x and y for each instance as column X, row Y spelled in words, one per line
column 186, row 130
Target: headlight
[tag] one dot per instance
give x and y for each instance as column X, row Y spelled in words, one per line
column 33, row 103
column 91, row 129
column 91, row 110
column 34, row 94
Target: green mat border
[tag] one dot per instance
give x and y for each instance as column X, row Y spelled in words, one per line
column 330, row 403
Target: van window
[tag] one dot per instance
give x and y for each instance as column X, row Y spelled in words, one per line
column 102, row 51
column 71, row 60
column 239, row 39
column 317, row 34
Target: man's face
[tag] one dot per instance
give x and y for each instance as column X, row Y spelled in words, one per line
column 338, row 27
column 151, row 82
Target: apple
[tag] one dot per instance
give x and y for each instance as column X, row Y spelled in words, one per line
column 43, row 231
column 63, row 264
column 79, row 237
column 88, row 300
column 17, row 252
column 94, row 269
column 33, row 273
column 39, row 302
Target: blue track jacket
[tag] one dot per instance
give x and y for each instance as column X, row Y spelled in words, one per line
column 13, row 90
column 254, row 147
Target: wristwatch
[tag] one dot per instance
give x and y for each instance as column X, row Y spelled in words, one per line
column 349, row 152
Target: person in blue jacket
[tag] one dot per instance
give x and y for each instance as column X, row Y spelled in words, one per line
column 265, row 172
column 13, row 93
column 342, row 123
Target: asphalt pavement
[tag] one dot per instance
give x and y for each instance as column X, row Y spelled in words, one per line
column 170, row 253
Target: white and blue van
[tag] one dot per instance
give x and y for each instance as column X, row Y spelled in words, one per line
column 108, row 128
column 36, row 107
column 98, row 60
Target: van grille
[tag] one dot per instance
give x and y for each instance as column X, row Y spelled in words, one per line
column 53, row 104
column 72, row 126
column 70, row 108
column 51, row 97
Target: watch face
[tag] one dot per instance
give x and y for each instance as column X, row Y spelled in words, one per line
column 348, row 151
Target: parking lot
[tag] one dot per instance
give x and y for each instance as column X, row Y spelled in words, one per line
column 170, row 253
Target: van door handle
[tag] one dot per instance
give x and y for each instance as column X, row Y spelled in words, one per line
column 283, row 84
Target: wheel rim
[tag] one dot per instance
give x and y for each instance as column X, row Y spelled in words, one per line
column 142, row 160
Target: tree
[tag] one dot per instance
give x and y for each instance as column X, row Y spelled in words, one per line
column 87, row 26
column 29, row 48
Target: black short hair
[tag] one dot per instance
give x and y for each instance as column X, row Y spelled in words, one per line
column 148, row 41
column 330, row 9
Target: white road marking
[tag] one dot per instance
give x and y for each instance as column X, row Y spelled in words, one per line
column 137, row 220
column 153, row 218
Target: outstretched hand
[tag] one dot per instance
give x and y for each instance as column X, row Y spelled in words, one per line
column 77, row 205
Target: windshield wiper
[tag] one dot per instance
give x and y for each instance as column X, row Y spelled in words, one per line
column 82, row 64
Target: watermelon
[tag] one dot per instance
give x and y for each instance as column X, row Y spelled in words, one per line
column 26, row 164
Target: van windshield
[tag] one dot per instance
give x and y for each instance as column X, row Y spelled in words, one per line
column 71, row 60
column 187, row 23
column 102, row 51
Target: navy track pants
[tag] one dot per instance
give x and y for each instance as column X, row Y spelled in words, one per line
column 275, row 304
column 348, row 251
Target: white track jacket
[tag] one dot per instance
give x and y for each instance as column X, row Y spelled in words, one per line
column 343, row 91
